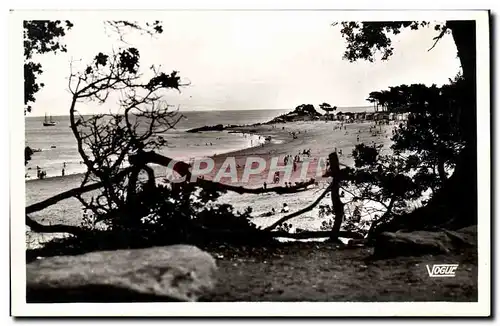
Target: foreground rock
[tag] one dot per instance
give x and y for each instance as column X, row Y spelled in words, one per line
column 172, row 273
column 418, row 243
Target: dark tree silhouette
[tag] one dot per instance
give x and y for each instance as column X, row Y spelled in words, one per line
column 127, row 198
column 456, row 202
column 327, row 107
column 105, row 141
column 40, row 37
column 431, row 136
column 46, row 36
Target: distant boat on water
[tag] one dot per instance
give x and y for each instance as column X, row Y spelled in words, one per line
column 48, row 122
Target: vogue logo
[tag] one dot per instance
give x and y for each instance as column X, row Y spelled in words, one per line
column 442, row 270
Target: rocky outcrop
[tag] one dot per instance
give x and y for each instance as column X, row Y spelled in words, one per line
column 417, row 243
column 218, row 127
column 172, row 273
column 304, row 112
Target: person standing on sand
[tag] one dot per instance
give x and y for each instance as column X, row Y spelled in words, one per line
column 62, row 172
column 276, row 177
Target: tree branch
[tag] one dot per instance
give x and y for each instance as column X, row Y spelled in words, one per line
column 145, row 157
column 381, row 219
column 437, row 38
column 180, row 167
column 68, row 194
column 338, row 206
column 314, row 234
column 299, row 212
column 56, row 228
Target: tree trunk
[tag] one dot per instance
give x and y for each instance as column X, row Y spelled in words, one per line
column 338, row 206
column 129, row 216
column 441, row 171
column 454, row 205
column 458, row 196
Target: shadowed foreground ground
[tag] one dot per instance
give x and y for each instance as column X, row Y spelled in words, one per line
column 320, row 272
column 305, row 272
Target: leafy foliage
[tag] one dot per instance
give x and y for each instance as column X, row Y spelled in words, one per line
column 40, row 37
column 106, row 141
column 367, row 39
column 440, row 133
column 183, row 211
column 45, row 36
column 381, row 178
column 431, row 139
column 425, row 148
column 131, row 200
column 167, row 214
column 120, row 27
column 327, row 107
column 131, row 209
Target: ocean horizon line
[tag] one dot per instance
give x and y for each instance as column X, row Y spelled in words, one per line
column 204, row 110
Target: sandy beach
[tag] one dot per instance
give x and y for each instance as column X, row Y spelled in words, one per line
column 317, row 136
column 321, row 139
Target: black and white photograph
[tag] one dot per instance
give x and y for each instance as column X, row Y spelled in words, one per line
column 268, row 162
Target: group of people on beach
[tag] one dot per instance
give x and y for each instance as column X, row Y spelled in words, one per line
column 42, row 174
column 378, row 132
column 297, row 158
column 284, row 209
column 341, row 127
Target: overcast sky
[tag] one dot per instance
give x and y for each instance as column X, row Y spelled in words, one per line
column 253, row 60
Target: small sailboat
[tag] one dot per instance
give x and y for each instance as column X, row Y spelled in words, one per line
column 48, row 122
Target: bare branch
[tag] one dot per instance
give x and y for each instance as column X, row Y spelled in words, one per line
column 437, row 38
column 143, row 158
column 68, row 194
column 180, row 167
column 55, row 228
column 314, row 234
column 299, row 212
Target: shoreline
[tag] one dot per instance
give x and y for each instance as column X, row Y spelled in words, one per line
column 282, row 144
column 317, row 136
column 80, row 174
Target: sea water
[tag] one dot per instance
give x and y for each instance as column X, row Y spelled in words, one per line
column 58, row 148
